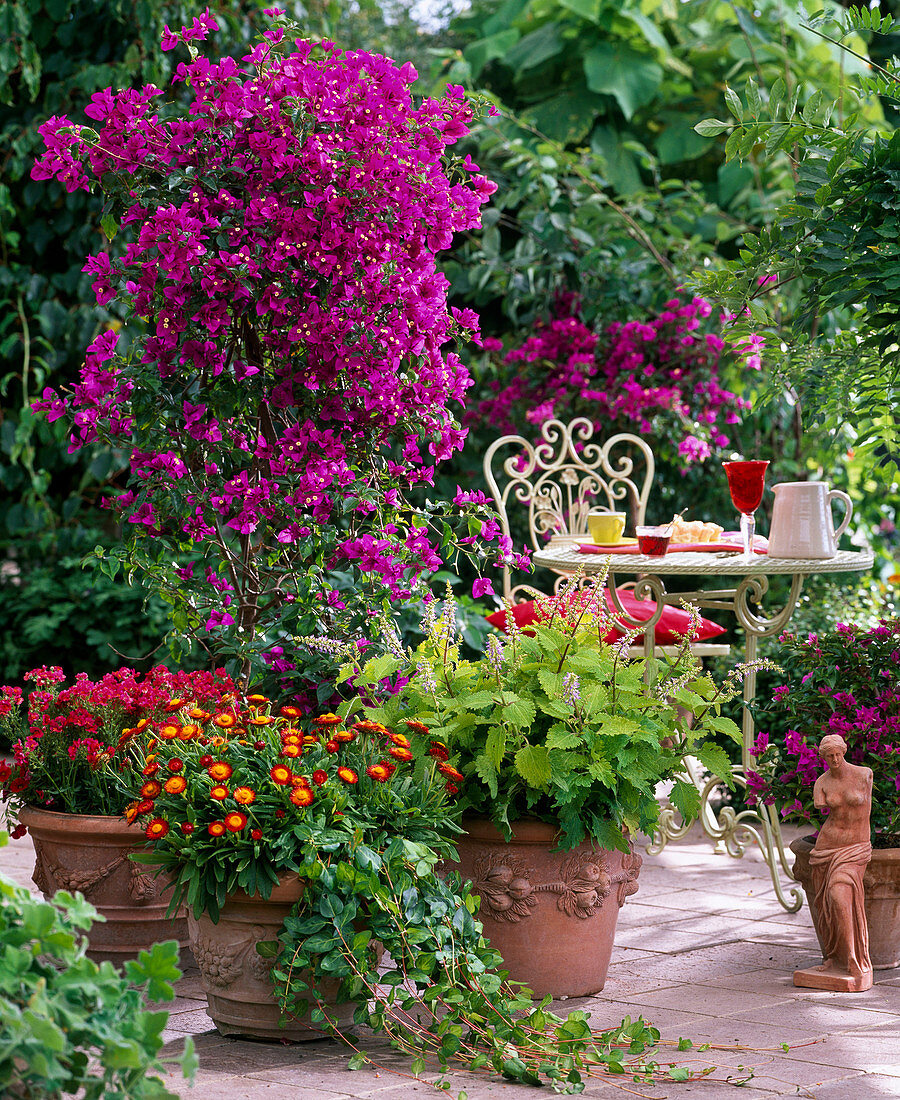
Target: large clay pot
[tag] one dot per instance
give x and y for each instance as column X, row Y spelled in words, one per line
column 882, row 899
column 90, row 854
column 551, row 915
column 239, row 990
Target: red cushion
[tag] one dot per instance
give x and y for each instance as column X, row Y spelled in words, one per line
column 672, row 623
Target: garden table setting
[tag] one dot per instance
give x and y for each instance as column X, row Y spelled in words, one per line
column 748, row 558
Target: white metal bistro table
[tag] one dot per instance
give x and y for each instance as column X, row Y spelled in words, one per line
column 731, row 831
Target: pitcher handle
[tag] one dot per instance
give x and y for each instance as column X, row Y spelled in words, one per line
column 837, row 494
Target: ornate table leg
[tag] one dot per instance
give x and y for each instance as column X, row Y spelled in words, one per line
column 733, row 831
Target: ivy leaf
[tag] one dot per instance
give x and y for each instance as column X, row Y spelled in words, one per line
column 533, row 764
column 358, row 1061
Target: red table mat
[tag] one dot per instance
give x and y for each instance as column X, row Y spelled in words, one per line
column 674, row 548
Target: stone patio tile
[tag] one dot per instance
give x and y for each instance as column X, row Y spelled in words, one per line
column 243, row 1088
column 873, row 1049
column 867, row 1086
column 721, row 1001
column 821, row 1016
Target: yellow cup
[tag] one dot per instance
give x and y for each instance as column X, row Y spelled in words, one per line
column 606, row 528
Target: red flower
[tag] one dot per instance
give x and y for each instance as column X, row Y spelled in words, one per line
column 216, row 828
column 327, row 720
column 150, row 769
column 256, row 834
column 302, row 796
column 259, row 744
column 279, row 813
column 348, row 775
column 450, row 772
column 399, row 739
column 319, row 777
column 381, row 773
column 176, row 785
column 145, row 806
column 220, row 771
column 451, row 788
column 187, row 827
column 169, row 731
column 332, row 746
column 281, row 775
column 150, row 789
column 219, row 792
column 224, row 721
column 205, row 761
column 175, row 765
column 438, row 750
column 400, row 753
column 156, row 829
column 235, row 821
column 368, row 726
column 416, row 727
column 343, row 736
column 290, row 712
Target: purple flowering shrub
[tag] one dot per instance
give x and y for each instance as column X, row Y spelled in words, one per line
column 660, row 377
column 844, row 681
column 295, row 379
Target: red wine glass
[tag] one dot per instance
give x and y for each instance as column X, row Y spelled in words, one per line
column 746, row 481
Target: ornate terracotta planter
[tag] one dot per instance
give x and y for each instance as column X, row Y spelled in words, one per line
column 90, row 854
column 551, row 915
column 239, row 990
column 882, row 896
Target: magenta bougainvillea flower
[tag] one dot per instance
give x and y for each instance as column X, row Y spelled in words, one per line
column 294, row 378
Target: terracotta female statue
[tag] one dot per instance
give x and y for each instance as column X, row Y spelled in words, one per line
column 838, row 862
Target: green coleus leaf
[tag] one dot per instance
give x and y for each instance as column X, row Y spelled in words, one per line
column 686, row 799
column 715, row 759
column 533, row 764
column 519, row 712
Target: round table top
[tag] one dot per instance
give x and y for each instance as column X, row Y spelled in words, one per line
column 566, row 559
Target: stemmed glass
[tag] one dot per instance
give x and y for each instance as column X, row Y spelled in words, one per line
column 746, row 481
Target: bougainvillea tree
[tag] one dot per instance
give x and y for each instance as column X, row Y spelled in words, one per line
column 293, row 378
column 661, row 377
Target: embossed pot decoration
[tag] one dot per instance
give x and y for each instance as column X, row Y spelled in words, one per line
column 882, row 898
column 551, row 915
column 239, row 991
column 90, row 854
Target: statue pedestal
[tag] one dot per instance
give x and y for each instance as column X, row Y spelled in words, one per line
column 816, row 977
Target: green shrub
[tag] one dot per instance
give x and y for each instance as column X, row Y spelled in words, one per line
column 69, row 1024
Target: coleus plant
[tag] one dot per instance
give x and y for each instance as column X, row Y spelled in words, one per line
column 287, row 383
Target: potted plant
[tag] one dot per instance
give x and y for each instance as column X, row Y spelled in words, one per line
column 561, row 741
column 843, row 681
column 284, row 383
column 76, row 753
column 304, row 844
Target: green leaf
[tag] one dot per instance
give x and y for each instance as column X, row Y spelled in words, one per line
column 358, row 1061
column 733, row 102
column 533, row 764
column 633, row 79
column 519, row 712
column 535, row 48
column 686, row 799
column 479, row 53
column 712, row 127
column 715, row 759
column 495, row 745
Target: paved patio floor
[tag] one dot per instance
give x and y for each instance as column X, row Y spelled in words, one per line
column 703, row 950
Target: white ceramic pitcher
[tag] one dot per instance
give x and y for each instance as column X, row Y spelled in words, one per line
column 802, row 523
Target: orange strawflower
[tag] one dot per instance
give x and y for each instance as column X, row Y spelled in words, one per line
column 150, row 789
column 290, row 712
column 291, row 751
column 220, row 771
column 243, row 795
column 219, row 792
column 174, row 704
column 400, row 739
column 281, row 775
column 343, row 736
column 331, row 746
column 301, row 796
column 310, row 739
column 176, row 785
column 169, row 731
column 145, row 806
column 218, row 742
column 216, row 828
column 416, row 727
column 257, row 700
column 142, row 724
column 131, row 811
column 368, row 726
column 189, row 732
column 235, row 821
column 224, row 721
column 438, row 750
column 400, row 753
column 328, row 719
column 299, row 781
column 156, row 829
column 381, row 773
column 450, row 772
column 150, row 768
column 291, row 737
column 200, row 714
column 348, row 775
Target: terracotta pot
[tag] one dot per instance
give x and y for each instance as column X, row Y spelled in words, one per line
column 239, row 990
column 90, row 854
column 882, row 898
column 551, row 915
